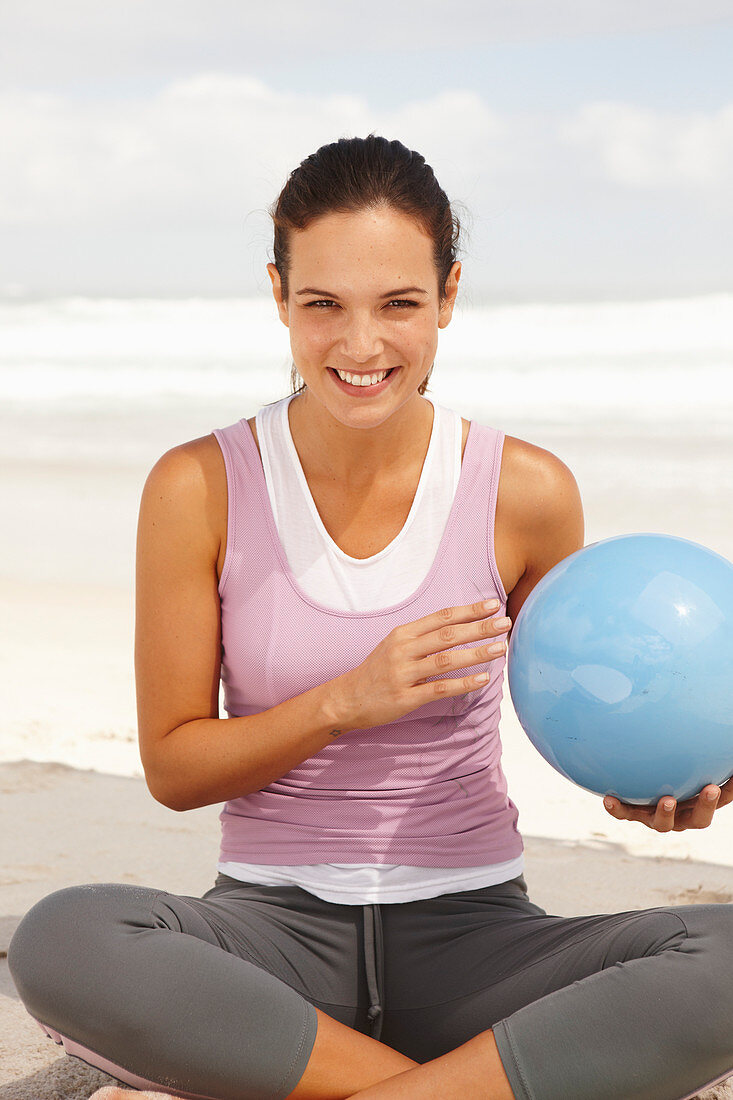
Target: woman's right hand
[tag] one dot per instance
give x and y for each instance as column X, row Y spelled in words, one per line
column 391, row 682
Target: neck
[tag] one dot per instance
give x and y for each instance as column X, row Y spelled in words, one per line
column 359, row 455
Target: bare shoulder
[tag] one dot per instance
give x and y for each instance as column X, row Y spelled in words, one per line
column 186, row 492
column 188, row 470
column 539, row 516
column 536, row 487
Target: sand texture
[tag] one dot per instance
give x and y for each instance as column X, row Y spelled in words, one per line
column 60, row 826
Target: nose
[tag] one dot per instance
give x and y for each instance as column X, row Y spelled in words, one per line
column 360, row 340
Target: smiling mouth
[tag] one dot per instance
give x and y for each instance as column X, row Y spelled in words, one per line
column 363, row 380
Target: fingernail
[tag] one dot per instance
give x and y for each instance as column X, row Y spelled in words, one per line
column 502, row 624
column 608, row 803
column 711, row 796
column 492, row 605
column 668, row 805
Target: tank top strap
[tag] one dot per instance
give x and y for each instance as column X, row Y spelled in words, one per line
column 248, row 506
column 473, row 520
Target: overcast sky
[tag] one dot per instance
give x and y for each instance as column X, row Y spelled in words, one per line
column 588, row 143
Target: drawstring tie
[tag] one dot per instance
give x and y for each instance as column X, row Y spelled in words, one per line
column 374, row 961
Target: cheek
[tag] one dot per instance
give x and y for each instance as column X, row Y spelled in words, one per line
column 311, row 339
column 421, row 341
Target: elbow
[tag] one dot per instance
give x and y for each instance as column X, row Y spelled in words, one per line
column 166, row 790
column 179, row 805
column 166, row 796
column 176, row 795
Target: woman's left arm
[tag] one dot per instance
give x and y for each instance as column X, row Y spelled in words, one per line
column 540, row 514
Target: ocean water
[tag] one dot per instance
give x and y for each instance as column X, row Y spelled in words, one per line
column 88, row 360
column 636, row 397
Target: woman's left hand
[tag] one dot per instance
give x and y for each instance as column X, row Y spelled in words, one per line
column 671, row 816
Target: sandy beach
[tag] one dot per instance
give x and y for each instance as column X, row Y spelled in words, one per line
column 61, row 825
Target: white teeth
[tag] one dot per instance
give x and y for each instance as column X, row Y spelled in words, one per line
column 361, row 380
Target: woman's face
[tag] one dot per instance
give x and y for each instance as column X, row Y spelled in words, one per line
column 363, row 310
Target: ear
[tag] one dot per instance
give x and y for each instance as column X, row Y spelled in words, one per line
column 451, row 290
column 277, row 293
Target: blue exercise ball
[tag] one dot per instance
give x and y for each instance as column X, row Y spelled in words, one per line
column 620, row 667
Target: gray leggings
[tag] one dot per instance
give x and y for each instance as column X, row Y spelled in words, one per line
column 213, row 997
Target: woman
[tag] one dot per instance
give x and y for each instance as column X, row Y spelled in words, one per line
column 348, row 562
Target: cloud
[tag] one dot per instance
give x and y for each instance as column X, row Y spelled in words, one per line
column 207, row 150
column 43, row 42
column 169, row 192
column 638, row 148
column 204, row 150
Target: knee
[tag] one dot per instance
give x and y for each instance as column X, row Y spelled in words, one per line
column 710, row 945
column 61, row 940
column 710, row 936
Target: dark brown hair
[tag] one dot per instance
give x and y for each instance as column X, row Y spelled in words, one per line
column 354, row 174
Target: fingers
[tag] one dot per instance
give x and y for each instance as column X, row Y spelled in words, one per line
column 661, row 817
column 430, row 649
column 425, row 645
column 447, row 689
column 726, row 793
column 623, row 811
column 668, row 815
column 448, row 660
column 431, row 642
column 451, row 617
column 698, row 813
column 404, row 671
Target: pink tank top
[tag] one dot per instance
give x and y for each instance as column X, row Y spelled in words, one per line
column 427, row 790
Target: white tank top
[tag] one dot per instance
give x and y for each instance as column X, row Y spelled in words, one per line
column 329, row 575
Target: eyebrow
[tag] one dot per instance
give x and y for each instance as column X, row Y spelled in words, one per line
column 389, row 294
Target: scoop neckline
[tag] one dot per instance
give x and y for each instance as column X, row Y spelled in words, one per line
column 315, row 515
column 374, row 612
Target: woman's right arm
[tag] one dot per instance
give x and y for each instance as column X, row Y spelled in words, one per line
column 190, row 756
